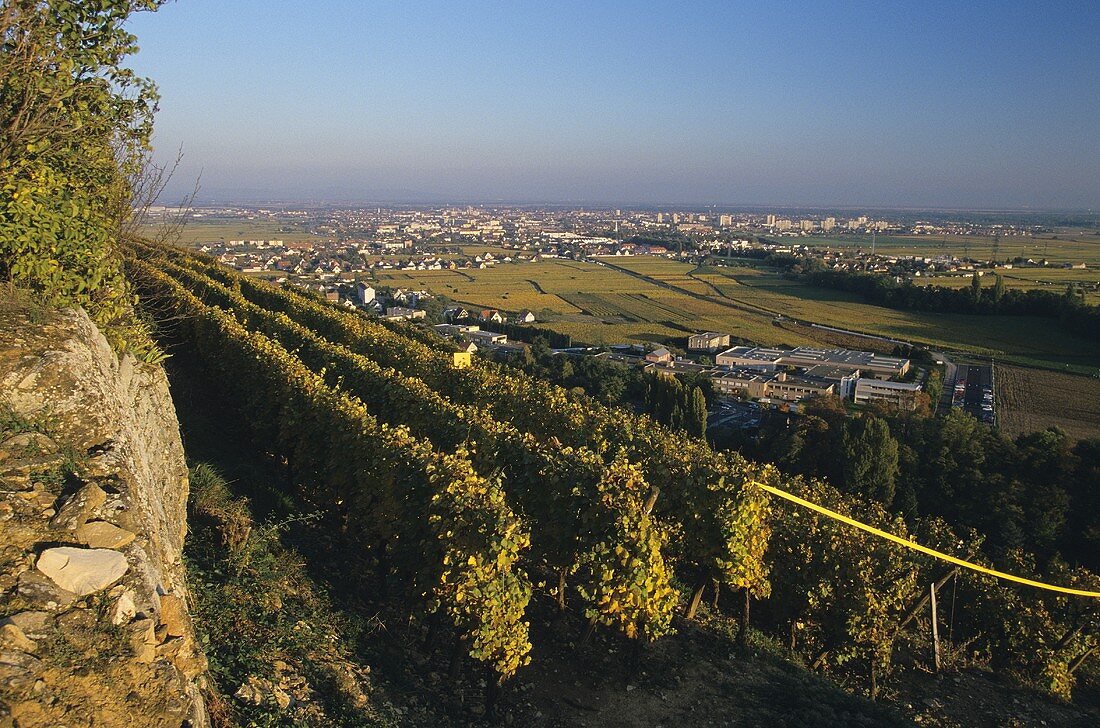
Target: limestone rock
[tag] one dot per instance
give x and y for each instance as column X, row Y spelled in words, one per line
column 18, row 670
column 82, row 571
column 33, row 624
column 281, row 698
column 173, row 615
column 59, row 369
column 30, row 464
column 258, row 690
column 170, row 648
column 79, row 509
column 143, row 640
column 13, row 638
column 41, row 591
column 12, row 481
column 124, row 609
column 250, row 692
column 27, row 443
column 103, row 535
column 43, row 500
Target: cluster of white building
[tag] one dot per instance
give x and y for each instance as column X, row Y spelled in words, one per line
column 792, row 375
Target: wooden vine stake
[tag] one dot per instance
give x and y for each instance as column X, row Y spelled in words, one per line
column 935, row 628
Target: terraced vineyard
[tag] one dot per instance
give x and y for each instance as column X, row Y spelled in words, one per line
column 474, row 491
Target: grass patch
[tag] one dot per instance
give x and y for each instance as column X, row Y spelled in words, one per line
column 266, row 626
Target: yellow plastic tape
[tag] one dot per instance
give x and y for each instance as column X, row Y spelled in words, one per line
column 924, row 549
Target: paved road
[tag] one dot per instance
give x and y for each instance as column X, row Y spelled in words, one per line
column 950, row 373
column 979, row 391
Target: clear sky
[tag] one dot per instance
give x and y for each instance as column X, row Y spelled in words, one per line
column 888, row 103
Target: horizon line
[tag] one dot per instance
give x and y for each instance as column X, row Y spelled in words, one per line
column 635, row 206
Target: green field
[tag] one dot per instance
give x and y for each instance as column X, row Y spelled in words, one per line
column 222, row 230
column 589, row 302
column 1076, row 246
column 1042, row 279
column 1025, row 340
column 1034, row 399
column 600, row 304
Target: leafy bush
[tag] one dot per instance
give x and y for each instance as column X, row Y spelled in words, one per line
column 76, row 126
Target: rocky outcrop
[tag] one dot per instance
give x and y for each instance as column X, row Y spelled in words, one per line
column 94, row 627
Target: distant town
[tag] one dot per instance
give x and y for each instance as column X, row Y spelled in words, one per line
column 341, row 243
column 336, row 251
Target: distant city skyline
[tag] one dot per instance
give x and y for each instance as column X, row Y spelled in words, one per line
column 958, row 106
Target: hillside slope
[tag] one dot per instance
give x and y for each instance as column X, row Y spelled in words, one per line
column 329, row 401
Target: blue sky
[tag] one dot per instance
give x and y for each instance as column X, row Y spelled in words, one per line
column 960, row 104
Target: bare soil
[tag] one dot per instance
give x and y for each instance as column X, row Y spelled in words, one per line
column 1035, row 399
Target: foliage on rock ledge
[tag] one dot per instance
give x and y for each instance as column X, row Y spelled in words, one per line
column 76, row 129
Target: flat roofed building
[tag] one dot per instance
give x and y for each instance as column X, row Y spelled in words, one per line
column 901, row 394
column 796, row 389
column 843, row 378
column 757, row 357
column 454, row 329
column 486, row 337
column 396, row 313
column 866, row 362
column 774, row 385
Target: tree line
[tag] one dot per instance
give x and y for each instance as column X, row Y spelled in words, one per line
column 521, row 332
column 1039, row 492
column 680, row 402
column 1068, row 306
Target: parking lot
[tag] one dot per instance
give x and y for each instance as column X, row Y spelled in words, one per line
column 974, row 392
column 741, row 415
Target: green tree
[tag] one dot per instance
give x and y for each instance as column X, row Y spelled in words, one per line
column 976, row 287
column 697, row 418
column 870, row 459
column 676, row 418
column 805, row 447
column 828, row 407
column 1046, row 463
column 998, row 288
column 76, row 127
column 1074, row 294
column 934, row 387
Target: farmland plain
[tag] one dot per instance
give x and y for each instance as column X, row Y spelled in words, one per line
column 658, row 299
column 1060, row 246
column 1035, row 399
column 1025, row 340
column 222, row 230
column 1054, row 280
column 591, row 302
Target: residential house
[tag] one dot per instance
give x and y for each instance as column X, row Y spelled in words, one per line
column 365, row 293
column 659, row 356
column 708, row 341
